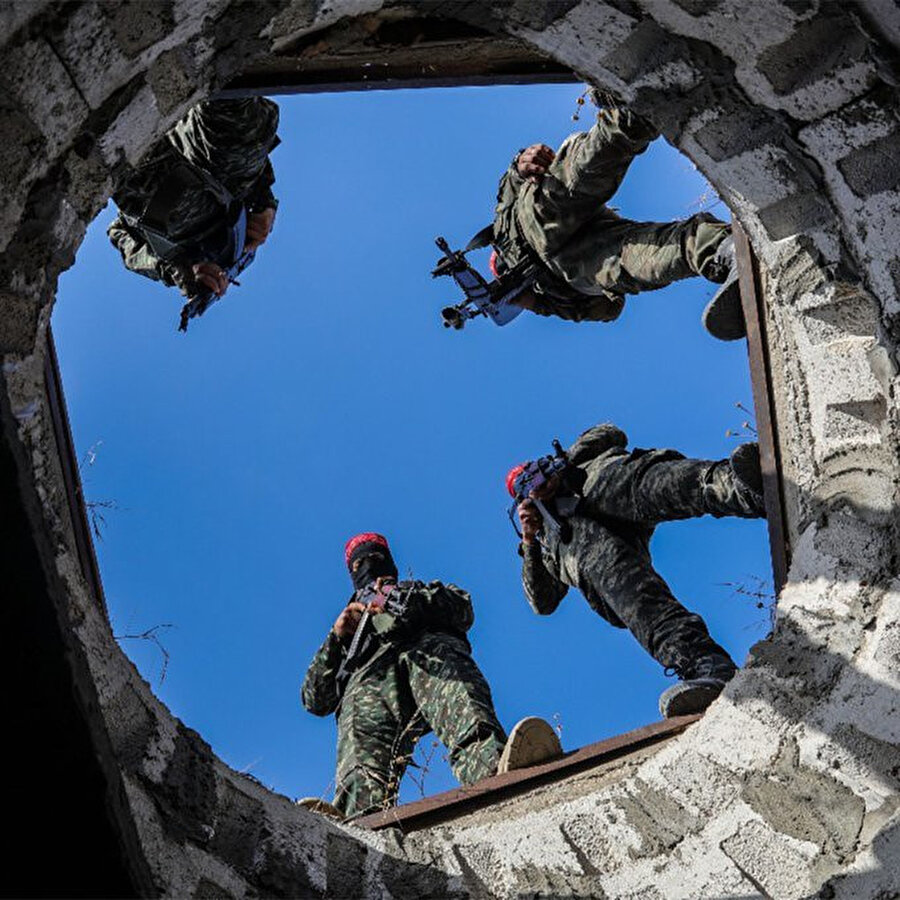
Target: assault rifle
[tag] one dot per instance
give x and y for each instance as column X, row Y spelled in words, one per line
column 494, row 299
column 535, row 476
column 233, row 259
column 386, row 601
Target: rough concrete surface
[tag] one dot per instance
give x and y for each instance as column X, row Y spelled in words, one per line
column 789, row 785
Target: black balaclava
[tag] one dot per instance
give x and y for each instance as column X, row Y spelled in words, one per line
column 375, row 561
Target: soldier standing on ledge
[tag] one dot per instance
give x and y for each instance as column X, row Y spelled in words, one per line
column 411, row 673
column 551, row 211
column 609, row 501
column 177, row 206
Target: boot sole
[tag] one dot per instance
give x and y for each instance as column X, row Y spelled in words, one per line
column 723, row 317
column 685, row 700
column 532, row 741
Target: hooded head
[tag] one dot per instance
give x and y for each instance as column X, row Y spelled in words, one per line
column 368, row 556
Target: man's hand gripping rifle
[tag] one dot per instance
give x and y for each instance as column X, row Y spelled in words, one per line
column 384, row 599
column 552, row 469
column 233, row 259
column 494, row 299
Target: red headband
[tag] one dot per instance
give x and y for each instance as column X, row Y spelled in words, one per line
column 511, row 477
column 367, row 537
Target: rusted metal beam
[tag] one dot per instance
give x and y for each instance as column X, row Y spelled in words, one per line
column 466, row 799
column 62, row 432
column 752, row 299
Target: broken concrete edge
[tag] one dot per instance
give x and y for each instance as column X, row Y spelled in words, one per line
column 467, row 798
column 62, row 432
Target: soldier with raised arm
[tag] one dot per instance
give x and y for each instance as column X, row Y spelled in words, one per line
column 396, row 665
column 551, row 210
column 588, row 525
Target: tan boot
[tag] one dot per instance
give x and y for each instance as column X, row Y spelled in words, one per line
column 531, row 742
column 322, row 807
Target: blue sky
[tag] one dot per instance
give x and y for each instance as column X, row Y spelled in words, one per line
column 322, row 397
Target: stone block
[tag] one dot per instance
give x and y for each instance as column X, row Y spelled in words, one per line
column 19, row 315
column 806, row 804
column 819, row 47
column 237, row 827
column 14, row 15
column 867, row 766
column 137, row 26
column 648, row 47
column 87, row 45
column 345, row 866
column 777, row 864
column 187, row 793
column 173, row 78
column 874, row 167
column 53, row 101
column 133, row 131
column 795, row 214
column 738, row 129
column 131, row 727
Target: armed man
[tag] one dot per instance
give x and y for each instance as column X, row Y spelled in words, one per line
column 396, row 665
column 196, row 209
column 551, row 220
column 587, row 516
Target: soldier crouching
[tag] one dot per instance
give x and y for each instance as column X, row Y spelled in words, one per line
column 599, row 513
column 409, row 673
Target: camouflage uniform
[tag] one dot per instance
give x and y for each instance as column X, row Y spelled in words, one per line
column 417, row 676
column 590, row 257
column 626, row 495
column 228, row 139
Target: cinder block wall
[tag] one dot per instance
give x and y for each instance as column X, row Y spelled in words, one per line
column 789, row 786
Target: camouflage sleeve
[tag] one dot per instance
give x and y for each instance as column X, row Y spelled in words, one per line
column 261, row 196
column 139, row 258
column 543, row 590
column 595, row 161
column 507, row 192
column 445, row 607
column 320, row 694
column 430, row 607
column 604, row 307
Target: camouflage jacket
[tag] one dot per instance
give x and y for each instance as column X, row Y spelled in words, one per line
column 432, row 607
column 550, row 222
column 549, row 566
column 229, row 140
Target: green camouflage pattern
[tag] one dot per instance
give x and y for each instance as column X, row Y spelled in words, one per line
column 417, row 677
column 626, row 495
column 590, row 256
column 229, row 139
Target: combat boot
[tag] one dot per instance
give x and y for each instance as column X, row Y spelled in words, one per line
column 723, row 317
column 744, row 461
column 320, row 806
column 701, row 684
column 531, row 742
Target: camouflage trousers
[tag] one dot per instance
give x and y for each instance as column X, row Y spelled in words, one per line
column 230, row 139
column 433, row 685
column 609, row 560
column 628, row 257
column 589, row 246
